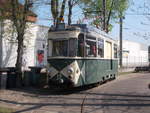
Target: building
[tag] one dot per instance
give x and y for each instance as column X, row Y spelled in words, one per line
column 35, row 46
column 134, row 54
column 34, row 43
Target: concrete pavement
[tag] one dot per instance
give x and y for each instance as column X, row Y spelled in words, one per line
column 126, row 94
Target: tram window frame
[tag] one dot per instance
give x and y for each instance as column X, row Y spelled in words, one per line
column 81, row 45
column 91, row 46
column 100, row 47
column 115, row 51
column 72, row 50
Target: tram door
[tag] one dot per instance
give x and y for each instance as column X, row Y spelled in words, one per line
column 108, row 50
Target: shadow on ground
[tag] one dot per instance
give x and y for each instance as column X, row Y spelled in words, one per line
column 101, row 100
column 48, row 91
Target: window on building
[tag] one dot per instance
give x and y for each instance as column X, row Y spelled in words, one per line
column 101, row 48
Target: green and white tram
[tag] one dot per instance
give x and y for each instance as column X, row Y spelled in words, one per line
column 78, row 55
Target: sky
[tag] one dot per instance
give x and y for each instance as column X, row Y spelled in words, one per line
column 136, row 25
column 44, row 15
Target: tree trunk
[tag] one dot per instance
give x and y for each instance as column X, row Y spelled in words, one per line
column 70, row 12
column 1, row 42
column 54, row 10
column 61, row 12
column 104, row 15
column 19, row 61
column 109, row 15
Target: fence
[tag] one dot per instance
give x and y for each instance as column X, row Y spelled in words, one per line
column 134, row 61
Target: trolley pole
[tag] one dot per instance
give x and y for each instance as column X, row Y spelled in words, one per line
column 120, row 56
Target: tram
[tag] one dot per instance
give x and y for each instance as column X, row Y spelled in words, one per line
column 80, row 55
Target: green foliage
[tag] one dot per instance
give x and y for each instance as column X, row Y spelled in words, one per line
column 93, row 9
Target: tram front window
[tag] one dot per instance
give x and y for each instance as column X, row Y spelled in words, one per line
column 64, row 48
column 60, row 48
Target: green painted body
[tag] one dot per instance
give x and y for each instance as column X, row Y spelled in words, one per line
column 92, row 70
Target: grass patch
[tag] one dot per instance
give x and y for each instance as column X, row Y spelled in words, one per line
column 6, row 110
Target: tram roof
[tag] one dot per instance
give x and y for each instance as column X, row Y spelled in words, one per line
column 83, row 28
column 91, row 29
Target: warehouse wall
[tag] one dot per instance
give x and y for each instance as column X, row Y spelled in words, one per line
column 134, row 54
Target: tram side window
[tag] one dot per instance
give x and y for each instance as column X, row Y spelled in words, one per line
column 81, row 45
column 60, row 48
column 90, row 48
column 101, row 48
column 115, row 51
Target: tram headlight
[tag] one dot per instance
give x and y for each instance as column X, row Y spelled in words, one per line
column 70, row 71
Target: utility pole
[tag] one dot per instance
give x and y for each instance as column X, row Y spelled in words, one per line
column 120, row 41
column 149, row 56
column 104, row 15
column 1, row 44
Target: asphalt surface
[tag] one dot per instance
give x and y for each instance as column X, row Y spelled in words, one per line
column 127, row 94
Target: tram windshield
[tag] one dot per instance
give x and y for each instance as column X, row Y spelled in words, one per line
column 64, row 48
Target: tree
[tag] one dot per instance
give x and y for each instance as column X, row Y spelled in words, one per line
column 102, row 16
column 1, row 31
column 58, row 11
column 54, row 10
column 71, row 4
column 19, row 15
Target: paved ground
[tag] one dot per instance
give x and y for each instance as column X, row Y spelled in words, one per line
column 126, row 94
